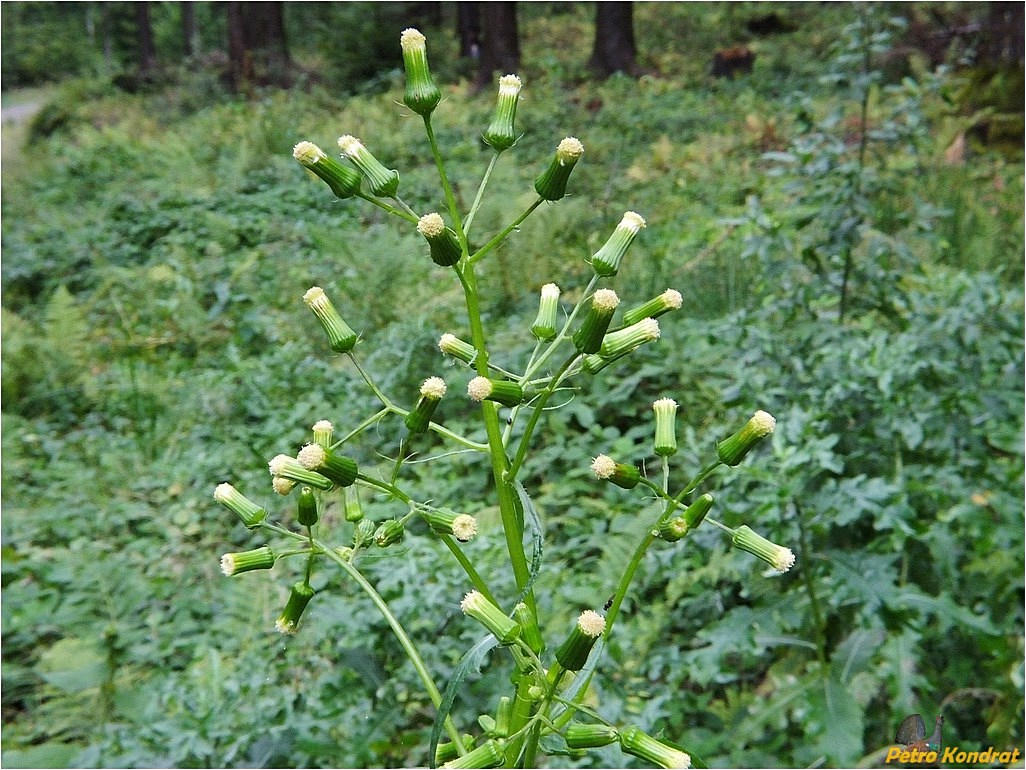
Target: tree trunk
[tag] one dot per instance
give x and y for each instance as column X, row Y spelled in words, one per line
column 468, row 29
column 614, row 49
column 500, row 46
column 144, row 36
column 257, row 50
column 190, row 40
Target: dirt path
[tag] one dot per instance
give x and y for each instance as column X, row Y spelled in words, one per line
column 19, row 113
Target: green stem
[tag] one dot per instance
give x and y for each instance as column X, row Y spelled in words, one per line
column 511, row 525
column 370, row 384
column 564, row 332
column 532, row 422
column 400, row 633
column 468, row 567
column 480, row 192
column 362, row 426
column 450, row 198
column 388, row 207
column 480, row 253
column 810, row 587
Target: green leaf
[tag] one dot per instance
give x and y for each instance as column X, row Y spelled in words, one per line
column 43, row 755
column 470, row 663
column 73, row 665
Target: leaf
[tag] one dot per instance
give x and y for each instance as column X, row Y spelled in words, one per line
column 471, row 662
column 533, row 525
column 73, row 665
column 855, row 653
column 43, row 755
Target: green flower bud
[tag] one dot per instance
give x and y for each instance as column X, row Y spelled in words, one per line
column 589, row 736
column 695, row 512
column 551, row 185
column 529, row 623
column 655, row 307
column 341, row 338
column 246, row 561
column 502, row 715
column 544, row 326
column 673, row 530
column 619, row 343
column 338, row 468
column 588, row 338
column 446, row 751
column 607, row 469
column 344, row 182
column 460, row 525
column 232, row 499
column 299, row 597
column 354, row 511
column 383, row 182
column 444, row 245
column 732, row 450
column 307, row 507
column 501, row 135
column 363, row 534
column 488, row 754
column 389, row 533
column 573, row 653
column 491, row 617
column 421, row 94
column 431, row 392
column 665, row 443
column 322, row 432
column 606, row 261
column 290, row 468
column 634, row 741
column 453, row 346
column 778, row 557
column 501, row 391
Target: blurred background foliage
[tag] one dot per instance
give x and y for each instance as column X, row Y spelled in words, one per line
column 845, row 224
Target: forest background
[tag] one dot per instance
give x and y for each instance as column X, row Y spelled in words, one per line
column 843, row 216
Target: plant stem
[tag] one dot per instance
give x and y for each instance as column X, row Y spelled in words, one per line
column 810, row 587
column 480, row 192
column 370, row 384
column 512, row 527
column 532, row 422
column 400, row 633
column 450, row 198
column 409, row 217
column 563, row 332
column 480, row 253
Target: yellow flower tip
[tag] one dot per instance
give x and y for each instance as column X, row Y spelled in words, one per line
column 550, row 291
column 784, row 560
column 314, row 296
column 282, row 486
column 603, row 467
column 223, row 492
column 308, row 153
column 323, row 425
column 277, row 464
column 673, row 298
column 312, row 456
column 286, row 627
column 431, row 225
column 632, row 221
column 509, row 85
column 763, row 423
column 446, row 341
column 649, row 328
column 349, row 145
column 433, row 387
column 228, row 564
column 605, row 299
column 680, row 760
column 479, row 388
column 412, row 38
column 471, row 600
column 569, row 150
column 464, row 527
column 591, row 623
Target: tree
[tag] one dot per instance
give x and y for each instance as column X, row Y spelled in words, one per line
column 257, row 49
column 614, row 49
column 144, row 36
column 500, row 44
column 468, row 29
column 190, row 38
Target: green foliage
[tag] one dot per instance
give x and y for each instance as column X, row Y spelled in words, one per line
column 154, row 257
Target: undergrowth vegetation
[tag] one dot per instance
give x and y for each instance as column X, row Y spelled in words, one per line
column 836, row 270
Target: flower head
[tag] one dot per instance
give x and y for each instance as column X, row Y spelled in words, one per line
column 551, row 185
column 732, row 450
column 344, row 182
column 606, row 261
column 383, row 181
column 500, row 134
column 421, row 94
